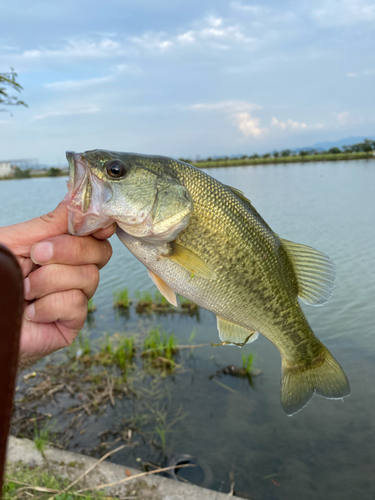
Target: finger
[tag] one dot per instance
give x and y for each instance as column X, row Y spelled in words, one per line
column 72, row 250
column 69, row 307
column 20, row 237
column 58, row 277
column 106, row 233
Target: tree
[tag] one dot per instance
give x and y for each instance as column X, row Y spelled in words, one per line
column 334, row 151
column 9, row 80
column 54, row 172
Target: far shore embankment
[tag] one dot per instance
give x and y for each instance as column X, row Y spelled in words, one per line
column 244, row 162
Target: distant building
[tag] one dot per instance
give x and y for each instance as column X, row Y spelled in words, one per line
column 6, row 169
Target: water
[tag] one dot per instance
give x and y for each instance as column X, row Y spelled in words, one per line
column 325, row 451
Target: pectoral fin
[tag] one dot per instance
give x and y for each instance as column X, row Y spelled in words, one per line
column 315, row 272
column 230, row 333
column 191, row 261
column 163, row 288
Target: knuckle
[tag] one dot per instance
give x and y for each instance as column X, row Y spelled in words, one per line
column 90, row 274
column 79, row 299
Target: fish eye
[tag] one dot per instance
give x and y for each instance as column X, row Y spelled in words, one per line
column 115, row 169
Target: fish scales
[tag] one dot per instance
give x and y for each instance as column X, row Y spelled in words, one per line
column 205, row 241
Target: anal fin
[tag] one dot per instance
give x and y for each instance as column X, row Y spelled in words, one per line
column 232, row 334
column 163, row 288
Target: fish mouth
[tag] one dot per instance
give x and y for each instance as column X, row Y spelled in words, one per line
column 86, row 195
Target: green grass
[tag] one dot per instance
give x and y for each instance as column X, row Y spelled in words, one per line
column 144, row 301
column 120, row 355
column 160, row 348
column 91, row 306
column 247, row 362
column 121, row 299
column 33, row 479
column 282, row 159
column 43, row 436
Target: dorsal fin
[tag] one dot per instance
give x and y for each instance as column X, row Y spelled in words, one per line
column 247, row 202
column 241, row 195
column 315, row 272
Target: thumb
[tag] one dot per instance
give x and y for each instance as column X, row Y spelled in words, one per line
column 20, row 237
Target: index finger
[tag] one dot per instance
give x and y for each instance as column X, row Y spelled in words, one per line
column 72, row 250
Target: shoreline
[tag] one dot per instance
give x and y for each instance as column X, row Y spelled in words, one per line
column 239, row 162
column 248, row 162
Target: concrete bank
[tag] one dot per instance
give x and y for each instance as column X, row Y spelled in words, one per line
column 72, row 465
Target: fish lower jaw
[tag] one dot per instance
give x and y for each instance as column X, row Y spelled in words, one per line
column 80, row 224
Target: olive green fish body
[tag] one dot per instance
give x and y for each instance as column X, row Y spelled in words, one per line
column 205, row 241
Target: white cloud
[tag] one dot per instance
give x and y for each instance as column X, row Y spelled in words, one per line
column 78, row 84
column 241, row 115
column 287, row 125
column 212, row 31
column 248, row 125
column 83, row 110
column 352, row 75
column 343, row 12
column 75, row 49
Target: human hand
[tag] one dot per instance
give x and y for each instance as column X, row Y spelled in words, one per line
column 61, row 272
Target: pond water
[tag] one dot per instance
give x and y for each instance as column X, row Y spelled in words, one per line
column 238, row 430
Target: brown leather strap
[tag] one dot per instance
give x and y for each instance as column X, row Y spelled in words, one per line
column 11, row 308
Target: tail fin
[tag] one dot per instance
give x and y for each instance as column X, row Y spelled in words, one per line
column 325, row 377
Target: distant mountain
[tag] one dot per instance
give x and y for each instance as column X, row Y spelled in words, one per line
column 347, row 141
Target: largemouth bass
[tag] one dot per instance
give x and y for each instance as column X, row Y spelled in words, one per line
column 204, row 240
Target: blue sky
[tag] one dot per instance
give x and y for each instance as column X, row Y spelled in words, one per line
column 186, row 78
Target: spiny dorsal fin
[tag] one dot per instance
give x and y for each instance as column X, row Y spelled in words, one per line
column 247, row 202
column 163, row 288
column 191, row 261
column 241, row 195
column 230, row 333
column 315, row 273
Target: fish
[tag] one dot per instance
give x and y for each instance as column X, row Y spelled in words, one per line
column 206, row 241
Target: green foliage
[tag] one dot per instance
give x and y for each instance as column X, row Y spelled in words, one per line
column 54, row 172
column 247, row 362
column 144, row 301
column 121, row 298
column 84, row 345
column 43, row 436
column 159, row 343
column 22, row 481
column 21, row 174
column 120, row 355
column 334, row 151
column 9, row 80
column 91, row 306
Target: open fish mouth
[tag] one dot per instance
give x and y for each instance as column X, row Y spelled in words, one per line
column 86, row 196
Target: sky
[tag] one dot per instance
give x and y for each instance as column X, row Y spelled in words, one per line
column 185, row 79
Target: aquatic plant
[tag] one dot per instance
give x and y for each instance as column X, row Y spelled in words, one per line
column 247, row 362
column 91, row 306
column 159, row 343
column 121, row 298
column 144, row 301
column 120, row 355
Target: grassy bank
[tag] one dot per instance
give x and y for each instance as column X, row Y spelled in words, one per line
column 237, row 162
